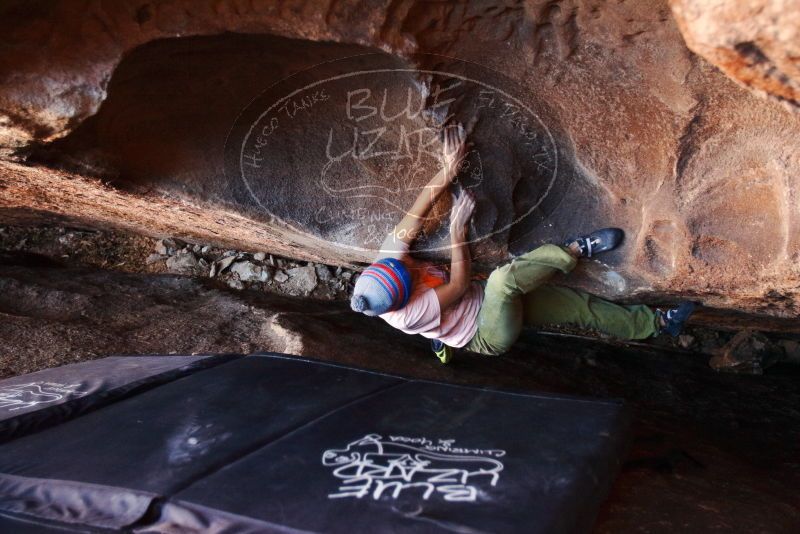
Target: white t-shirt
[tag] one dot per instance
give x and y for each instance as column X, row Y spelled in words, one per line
column 422, row 314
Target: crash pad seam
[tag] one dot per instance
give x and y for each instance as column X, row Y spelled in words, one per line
column 258, row 447
column 261, row 445
column 103, row 399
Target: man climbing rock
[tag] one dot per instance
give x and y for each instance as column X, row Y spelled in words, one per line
column 487, row 317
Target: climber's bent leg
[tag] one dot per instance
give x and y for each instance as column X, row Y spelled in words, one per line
column 501, row 314
column 527, row 272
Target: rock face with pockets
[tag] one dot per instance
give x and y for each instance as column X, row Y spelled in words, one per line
column 158, row 118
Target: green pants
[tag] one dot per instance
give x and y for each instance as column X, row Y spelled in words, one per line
column 516, row 296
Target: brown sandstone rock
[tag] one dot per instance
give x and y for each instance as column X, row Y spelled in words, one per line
column 748, row 352
column 625, row 126
column 755, row 42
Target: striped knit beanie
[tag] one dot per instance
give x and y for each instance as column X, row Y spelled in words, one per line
column 383, row 286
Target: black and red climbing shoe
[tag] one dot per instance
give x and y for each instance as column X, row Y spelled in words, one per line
column 675, row 318
column 598, row 241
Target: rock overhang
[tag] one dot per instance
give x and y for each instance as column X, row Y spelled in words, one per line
column 651, row 138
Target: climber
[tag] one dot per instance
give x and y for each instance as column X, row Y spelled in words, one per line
column 487, row 317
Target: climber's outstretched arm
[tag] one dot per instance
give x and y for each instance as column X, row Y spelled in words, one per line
column 460, row 260
column 408, row 229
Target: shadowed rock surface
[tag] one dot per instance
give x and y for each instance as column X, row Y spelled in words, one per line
column 155, row 118
column 602, row 100
column 710, row 451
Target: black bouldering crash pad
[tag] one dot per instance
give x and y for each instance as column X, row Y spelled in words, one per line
column 275, row 443
column 36, row 400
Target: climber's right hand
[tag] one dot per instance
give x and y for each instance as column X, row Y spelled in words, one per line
column 461, row 213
